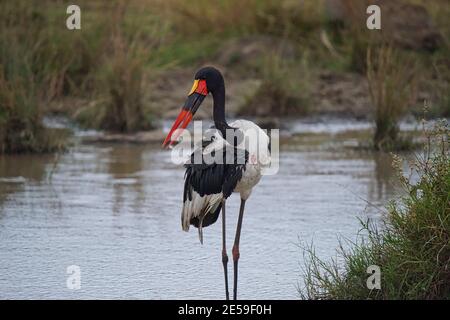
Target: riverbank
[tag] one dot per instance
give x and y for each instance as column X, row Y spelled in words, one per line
column 131, row 65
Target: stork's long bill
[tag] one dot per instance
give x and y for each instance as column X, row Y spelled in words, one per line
column 195, row 98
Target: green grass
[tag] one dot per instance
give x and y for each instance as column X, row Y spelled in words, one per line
column 185, row 52
column 21, row 77
column 50, row 62
column 412, row 248
column 202, row 17
column 33, row 70
column 20, row 120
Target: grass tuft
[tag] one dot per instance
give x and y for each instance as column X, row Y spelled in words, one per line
column 20, row 120
column 392, row 87
column 120, row 80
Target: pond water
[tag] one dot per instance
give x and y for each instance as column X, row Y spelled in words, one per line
column 114, row 211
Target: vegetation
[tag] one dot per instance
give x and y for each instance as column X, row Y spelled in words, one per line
column 21, row 72
column 412, row 248
column 124, row 47
column 285, row 89
column 392, row 89
column 118, row 80
column 20, row 127
column 42, row 62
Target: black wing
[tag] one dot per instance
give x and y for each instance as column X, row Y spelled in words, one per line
column 213, row 178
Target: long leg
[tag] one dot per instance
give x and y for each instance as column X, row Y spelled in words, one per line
column 224, row 252
column 236, row 247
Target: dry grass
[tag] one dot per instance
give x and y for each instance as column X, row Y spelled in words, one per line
column 392, row 86
column 285, row 89
column 196, row 18
column 104, row 61
column 119, row 87
column 22, row 81
column 20, row 119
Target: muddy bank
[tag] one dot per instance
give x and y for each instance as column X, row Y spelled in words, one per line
column 308, row 130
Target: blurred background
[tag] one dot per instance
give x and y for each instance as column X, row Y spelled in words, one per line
column 83, row 113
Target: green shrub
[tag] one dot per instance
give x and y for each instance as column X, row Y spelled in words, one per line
column 412, row 248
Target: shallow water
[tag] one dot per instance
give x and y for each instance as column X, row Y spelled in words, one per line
column 114, row 211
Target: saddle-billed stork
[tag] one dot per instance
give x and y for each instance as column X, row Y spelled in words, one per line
column 240, row 151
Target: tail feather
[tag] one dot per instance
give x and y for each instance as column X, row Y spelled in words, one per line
column 200, row 221
column 200, row 211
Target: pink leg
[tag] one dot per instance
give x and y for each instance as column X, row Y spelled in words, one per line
column 224, row 253
column 236, row 247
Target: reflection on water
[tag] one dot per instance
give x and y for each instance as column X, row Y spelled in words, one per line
column 114, row 210
column 124, row 164
column 384, row 177
column 15, row 170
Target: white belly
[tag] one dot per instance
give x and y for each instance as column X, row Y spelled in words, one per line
column 252, row 173
column 250, row 178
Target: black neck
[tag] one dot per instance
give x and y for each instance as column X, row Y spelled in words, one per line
column 219, row 110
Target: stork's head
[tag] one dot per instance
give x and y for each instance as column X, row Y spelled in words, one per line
column 207, row 79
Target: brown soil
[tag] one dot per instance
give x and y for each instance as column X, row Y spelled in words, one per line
column 342, row 95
